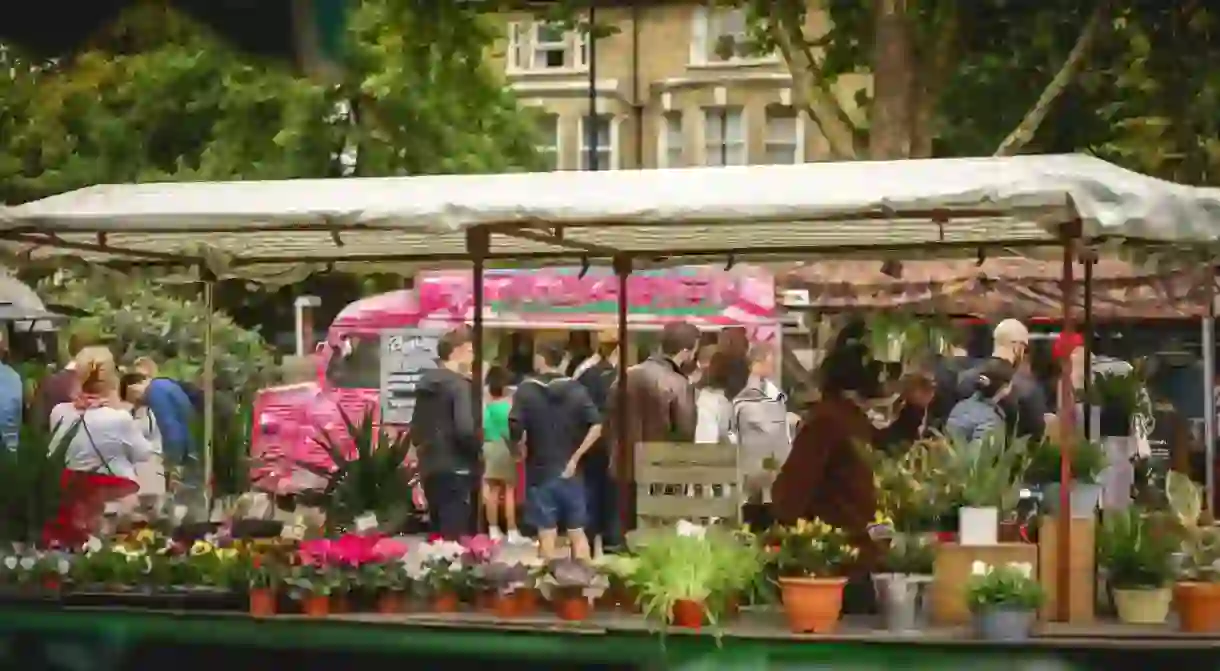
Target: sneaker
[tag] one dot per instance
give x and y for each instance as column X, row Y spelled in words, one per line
column 495, row 534
column 515, row 538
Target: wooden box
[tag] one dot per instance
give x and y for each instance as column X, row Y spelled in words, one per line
column 1082, row 566
column 952, row 572
column 686, row 481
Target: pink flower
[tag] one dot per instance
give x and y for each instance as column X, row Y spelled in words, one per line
column 316, row 552
column 387, row 549
column 481, row 547
column 354, row 549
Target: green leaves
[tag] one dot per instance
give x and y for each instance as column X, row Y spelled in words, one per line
column 158, row 98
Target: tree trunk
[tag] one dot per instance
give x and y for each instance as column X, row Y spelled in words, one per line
column 891, row 115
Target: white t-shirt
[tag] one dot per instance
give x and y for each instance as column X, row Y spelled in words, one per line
column 109, row 443
column 713, row 414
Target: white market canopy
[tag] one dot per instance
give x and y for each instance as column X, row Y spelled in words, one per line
column 762, row 212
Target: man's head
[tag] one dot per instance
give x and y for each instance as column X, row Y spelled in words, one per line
column 456, row 350
column 146, row 366
column 679, row 342
column 762, row 361
column 1011, row 341
column 549, row 357
column 607, row 346
column 133, row 387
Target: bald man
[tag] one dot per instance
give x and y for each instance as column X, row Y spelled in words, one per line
column 1025, row 408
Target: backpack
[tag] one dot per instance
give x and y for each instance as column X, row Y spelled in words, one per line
column 192, row 391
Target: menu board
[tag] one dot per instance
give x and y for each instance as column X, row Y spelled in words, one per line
column 405, row 355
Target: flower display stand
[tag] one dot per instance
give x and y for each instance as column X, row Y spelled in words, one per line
column 951, row 573
column 1082, row 565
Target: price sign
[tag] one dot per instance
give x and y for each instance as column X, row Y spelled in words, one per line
column 405, row 355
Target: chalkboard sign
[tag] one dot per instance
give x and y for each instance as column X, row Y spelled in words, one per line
column 405, row 355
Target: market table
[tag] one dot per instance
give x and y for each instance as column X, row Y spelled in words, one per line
column 107, row 639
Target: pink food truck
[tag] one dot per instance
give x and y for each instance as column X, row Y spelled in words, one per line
column 522, row 307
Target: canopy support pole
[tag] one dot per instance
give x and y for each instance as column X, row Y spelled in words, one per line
column 626, row 493
column 209, row 386
column 1089, row 257
column 1067, row 433
column 1209, row 385
column 478, row 242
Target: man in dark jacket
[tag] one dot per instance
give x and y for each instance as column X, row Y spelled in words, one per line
column 560, row 424
column 947, row 369
column 1025, row 406
column 444, row 433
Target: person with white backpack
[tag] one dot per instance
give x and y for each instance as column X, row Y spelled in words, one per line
column 761, row 425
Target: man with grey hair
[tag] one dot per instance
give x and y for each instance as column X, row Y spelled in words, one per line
column 1025, row 407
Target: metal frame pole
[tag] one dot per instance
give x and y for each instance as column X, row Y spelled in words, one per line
column 592, row 121
column 1209, row 385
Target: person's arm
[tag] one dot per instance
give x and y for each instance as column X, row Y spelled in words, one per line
column 465, row 435
column 683, row 414
column 591, row 418
column 516, row 421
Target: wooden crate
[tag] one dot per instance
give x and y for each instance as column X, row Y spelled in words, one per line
column 1082, row 564
column 952, row 572
column 687, row 481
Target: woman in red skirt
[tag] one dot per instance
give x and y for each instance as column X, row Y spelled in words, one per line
column 101, row 443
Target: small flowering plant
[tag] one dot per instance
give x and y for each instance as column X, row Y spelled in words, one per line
column 1006, row 586
column 311, row 580
column 906, row 553
column 809, row 549
column 47, row 570
column 440, row 566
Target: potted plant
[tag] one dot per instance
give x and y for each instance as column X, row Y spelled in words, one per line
column 1004, row 600
column 686, row 576
column 368, row 473
column 905, row 571
column 1138, row 566
column 810, row 559
column 1197, row 592
column 438, row 568
column 983, row 477
column 1119, row 397
column 501, row 580
column 1088, row 459
column 569, row 581
column 619, row 570
column 311, row 585
column 265, row 577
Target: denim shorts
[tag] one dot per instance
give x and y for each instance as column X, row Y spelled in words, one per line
column 557, row 501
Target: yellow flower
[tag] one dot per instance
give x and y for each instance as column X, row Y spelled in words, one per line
column 146, row 536
column 226, row 554
column 201, row 548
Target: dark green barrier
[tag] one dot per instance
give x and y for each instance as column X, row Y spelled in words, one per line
column 127, row 641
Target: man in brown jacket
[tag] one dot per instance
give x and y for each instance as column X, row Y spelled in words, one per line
column 660, row 401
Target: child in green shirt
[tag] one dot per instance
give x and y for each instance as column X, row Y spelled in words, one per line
column 499, row 464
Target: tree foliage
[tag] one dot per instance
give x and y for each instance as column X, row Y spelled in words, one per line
column 138, row 316
column 158, row 98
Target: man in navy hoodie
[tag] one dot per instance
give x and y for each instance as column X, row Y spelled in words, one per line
column 560, row 423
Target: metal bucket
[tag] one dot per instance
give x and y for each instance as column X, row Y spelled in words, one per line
column 902, row 598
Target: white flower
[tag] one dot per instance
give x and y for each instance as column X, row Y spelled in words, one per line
column 64, row 566
column 28, row 563
column 455, row 567
column 686, row 528
column 1024, row 568
column 94, row 544
column 10, row 562
column 979, row 568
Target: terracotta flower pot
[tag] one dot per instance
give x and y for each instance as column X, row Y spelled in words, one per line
column 262, row 602
column 527, row 600
column 812, row 605
column 340, row 603
column 505, row 605
column 316, row 605
column 572, row 605
column 444, row 602
column 391, row 602
column 484, row 601
column 688, row 614
column 732, row 605
column 1198, row 605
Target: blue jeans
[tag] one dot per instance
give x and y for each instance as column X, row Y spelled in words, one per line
column 557, row 500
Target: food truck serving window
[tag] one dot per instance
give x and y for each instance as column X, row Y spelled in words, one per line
column 355, row 363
